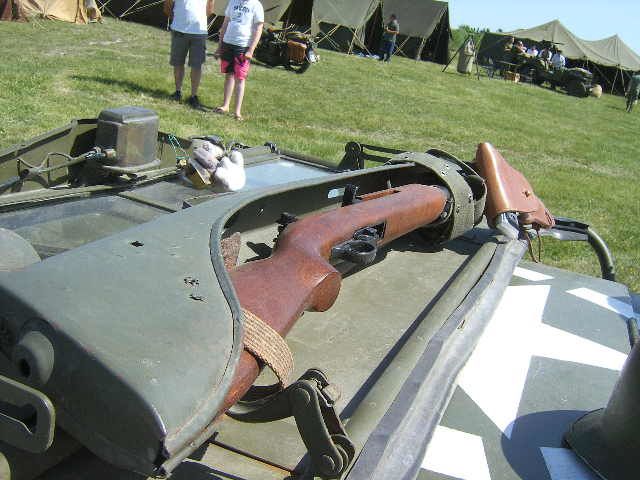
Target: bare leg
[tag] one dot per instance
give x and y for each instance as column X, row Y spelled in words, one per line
column 239, row 96
column 229, row 84
column 196, row 74
column 178, row 75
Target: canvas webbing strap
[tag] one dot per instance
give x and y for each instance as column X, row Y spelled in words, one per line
column 267, row 345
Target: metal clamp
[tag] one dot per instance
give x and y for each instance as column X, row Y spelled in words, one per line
column 27, row 416
column 310, row 400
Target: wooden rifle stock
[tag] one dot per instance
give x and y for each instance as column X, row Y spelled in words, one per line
column 298, row 277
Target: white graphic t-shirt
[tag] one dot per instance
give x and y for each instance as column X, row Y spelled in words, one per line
column 190, row 16
column 242, row 15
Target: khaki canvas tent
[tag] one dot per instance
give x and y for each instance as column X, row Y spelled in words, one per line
column 74, row 11
column 614, row 52
column 610, row 58
column 348, row 25
column 340, row 24
column 337, row 24
column 424, row 28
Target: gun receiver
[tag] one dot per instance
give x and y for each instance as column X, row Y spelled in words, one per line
column 298, row 276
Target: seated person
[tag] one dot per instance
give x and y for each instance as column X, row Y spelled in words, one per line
column 545, row 54
column 558, row 61
column 509, row 44
column 533, row 51
column 519, row 47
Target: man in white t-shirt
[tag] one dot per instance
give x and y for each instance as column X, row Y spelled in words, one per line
column 188, row 35
column 558, row 61
column 239, row 36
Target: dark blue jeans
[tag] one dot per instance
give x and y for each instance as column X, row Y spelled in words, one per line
column 386, row 50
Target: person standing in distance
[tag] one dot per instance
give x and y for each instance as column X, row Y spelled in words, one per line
column 633, row 91
column 188, row 35
column 239, row 36
column 391, row 31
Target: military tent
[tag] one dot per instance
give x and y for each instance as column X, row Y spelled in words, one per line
column 610, row 58
column 340, row 24
column 147, row 12
column 74, row 11
column 337, row 24
column 424, row 28
column 614, row 52
column 346, row 25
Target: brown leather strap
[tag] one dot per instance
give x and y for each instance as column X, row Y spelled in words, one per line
column 264, row 343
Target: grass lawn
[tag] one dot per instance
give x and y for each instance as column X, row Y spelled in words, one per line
column 581, row 155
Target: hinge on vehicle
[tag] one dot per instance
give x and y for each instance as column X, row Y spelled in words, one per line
column 310, row 400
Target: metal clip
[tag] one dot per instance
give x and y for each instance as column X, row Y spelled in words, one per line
column 310, row 400
column 32, row 431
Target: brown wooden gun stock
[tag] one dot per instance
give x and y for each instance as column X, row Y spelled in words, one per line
column 298, row 277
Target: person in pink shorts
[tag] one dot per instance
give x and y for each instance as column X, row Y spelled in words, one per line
column 239, row 36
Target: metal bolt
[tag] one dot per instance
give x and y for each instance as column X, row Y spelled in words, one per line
column 327, row 466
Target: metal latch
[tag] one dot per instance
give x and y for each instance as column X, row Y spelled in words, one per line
column 27, row 416
column 310, row 400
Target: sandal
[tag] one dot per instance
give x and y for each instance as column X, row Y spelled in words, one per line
column 220, row 111
column 239, row 118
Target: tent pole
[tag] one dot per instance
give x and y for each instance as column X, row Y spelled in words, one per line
column 144, row 7
column 209, row 25
column 475, row 59
column 354, row 33
column 124, row 14
column 614, row 82
column 103, row 6
column 624, row 88
column 457, row 52
column 421, row 47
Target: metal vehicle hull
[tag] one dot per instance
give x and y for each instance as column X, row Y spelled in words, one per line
column 400, row 342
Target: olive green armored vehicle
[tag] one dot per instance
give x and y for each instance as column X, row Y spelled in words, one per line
column 370, row 317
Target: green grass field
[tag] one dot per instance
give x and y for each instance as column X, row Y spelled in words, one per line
column 581, row 155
